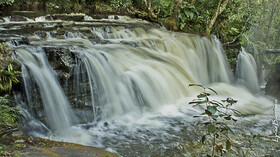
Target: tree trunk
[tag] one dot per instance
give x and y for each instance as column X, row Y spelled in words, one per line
column 148, row 4
column 176, row 4
column 221, row 7
column 151, row 14
column 274, row 11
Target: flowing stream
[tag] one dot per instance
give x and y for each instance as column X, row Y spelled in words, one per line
column 122, row 84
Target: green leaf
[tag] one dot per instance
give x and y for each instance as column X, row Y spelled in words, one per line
column 212, row 90
column 231, row 101
column 228, row 117
column 198, row 101
column 191, row 15
column 201, row 96
column 211, row 128
column 214, row 117
column 212, row 109
column 203, row 139
column 203, row 102
column 217, row 103
column 196, row 116
column 208, row 113
column 190, row 85
column 228, row 145
column 206, row 93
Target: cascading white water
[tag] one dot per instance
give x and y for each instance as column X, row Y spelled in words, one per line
column 154, row 68
column 56, row 105
column 246, row 71
column 134, row 77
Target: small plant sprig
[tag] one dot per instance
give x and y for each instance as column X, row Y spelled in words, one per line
column 217, row 112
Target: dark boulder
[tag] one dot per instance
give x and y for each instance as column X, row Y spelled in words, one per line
column 61, row 59
column 68, row 17
column 273, row 84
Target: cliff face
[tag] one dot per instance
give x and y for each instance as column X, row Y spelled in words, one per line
column 273, row 84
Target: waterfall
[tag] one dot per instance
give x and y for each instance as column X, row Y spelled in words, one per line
column 56, row 105
column 121, row 82
column 149, row 70
column 246, row 71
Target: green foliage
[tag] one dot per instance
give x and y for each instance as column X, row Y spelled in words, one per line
column 8, row 116
column 219, row 115
column 6, row 2
column 187, row 13
column 163, row 8
column 265, row 33
column 121, row 3
column 8, row 75
column 139, row 4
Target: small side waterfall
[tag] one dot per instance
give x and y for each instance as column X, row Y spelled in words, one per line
column 36, row 67
column 246, row 71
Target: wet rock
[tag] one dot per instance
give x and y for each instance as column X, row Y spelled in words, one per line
column 84, row 116
column 61, row 59
column 34, row 147
column 49, row 18
column 106, row 124
column 60, row 32
column 41, row 34
column 116, row 17
column 68, row 17
column 85, row 29
column 273, row 84
column 23, row 41
column 67, row 23
column 5, row 55
column 17, row 18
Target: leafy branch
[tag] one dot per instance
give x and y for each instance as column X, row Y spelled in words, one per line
column 217, row 112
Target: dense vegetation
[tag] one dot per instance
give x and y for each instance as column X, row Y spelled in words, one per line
column 265, row 33
column 8, row 77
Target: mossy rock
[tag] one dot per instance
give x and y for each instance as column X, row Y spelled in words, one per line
column 5, row 55
column 171, row 24
column 33, row 147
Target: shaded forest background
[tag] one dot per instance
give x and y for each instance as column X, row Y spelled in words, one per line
column 254, row 24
